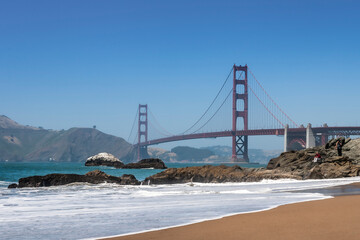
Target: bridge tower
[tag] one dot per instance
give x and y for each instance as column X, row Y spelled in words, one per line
column 239, row 142
column 142, row 131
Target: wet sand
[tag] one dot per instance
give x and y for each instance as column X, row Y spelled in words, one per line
column 330, row 219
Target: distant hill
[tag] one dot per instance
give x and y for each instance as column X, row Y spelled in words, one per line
column 7, row 123
column 255, row 155
column 184, row 154
column 191, row 154
column 25, row 143
column 212, row 154
column 224, row 151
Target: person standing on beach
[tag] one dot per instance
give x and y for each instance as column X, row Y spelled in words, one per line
column 339, row 147
column 317, row 158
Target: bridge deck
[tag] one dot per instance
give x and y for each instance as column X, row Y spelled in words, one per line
column 259, row 132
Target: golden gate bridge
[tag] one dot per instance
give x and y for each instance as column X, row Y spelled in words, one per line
column 253, row 113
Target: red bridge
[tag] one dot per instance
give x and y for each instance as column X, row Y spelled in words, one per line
column 266, row 110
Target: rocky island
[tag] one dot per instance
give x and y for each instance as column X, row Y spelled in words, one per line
column 104, row 159
column 107, row 159
column 154, row 163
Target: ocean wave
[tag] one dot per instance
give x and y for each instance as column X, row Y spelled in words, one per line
column 88, row 210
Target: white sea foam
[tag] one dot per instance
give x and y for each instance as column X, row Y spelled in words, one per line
column 86, row 210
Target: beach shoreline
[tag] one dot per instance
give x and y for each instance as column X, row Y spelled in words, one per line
column 334, row 217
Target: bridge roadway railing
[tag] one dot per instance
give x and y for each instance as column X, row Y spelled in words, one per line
column 258, row 132
column 213, row 135
column 343, row 131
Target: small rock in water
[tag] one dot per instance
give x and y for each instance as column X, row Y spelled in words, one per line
column 104, row 159
column 155, row 163
column 13, row 185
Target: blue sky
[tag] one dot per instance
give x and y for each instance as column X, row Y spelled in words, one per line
column 82, row 63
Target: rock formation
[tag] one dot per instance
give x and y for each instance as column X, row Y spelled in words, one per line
column 104, row 159
column 293, row 164
column 215, row 174
column 94, row 177
column 13, row 185
column 205, row 174
column 147, row 163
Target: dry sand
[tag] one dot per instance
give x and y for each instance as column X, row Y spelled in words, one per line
column 330, row 219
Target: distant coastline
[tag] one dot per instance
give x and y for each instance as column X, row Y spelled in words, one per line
column 19, row 143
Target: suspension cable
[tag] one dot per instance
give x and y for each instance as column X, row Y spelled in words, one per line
column 217, row 95
column 136, row 136
column 167, row 133
column 132, row 128
column 214, row 113
column 272, row 99
column 266, row 107
column 156, row 132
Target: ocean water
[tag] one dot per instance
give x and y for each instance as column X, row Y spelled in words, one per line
column 86, row 211
column 11, row 172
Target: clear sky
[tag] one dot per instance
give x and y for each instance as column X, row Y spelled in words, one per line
column 82, row 63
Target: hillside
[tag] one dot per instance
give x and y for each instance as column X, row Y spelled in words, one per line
column 255, row 155
column 24, row 143
column 7, row 123
column 191, row 154
column 212, row 154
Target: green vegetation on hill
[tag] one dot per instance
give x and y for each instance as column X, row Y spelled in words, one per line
column 212, row 154
column 191, row 154
column 255, row 155
column 19, row 143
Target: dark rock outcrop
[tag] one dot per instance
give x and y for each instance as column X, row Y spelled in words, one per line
column 94, row 177
column 300, row 163
column 147, row 163
column 205, row 174
column 104, row 159
column 215, row 174
column 294, row 164
column 129, row 179
column 13, row 185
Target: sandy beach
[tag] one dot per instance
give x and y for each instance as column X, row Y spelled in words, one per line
column 335, row 218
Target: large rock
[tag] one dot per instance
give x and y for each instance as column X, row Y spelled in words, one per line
column 215, row 174
column 205, row 174
column 147, row 163
column 294, row 164
column 94, row 177
column 104, row 159
column 300, row 163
